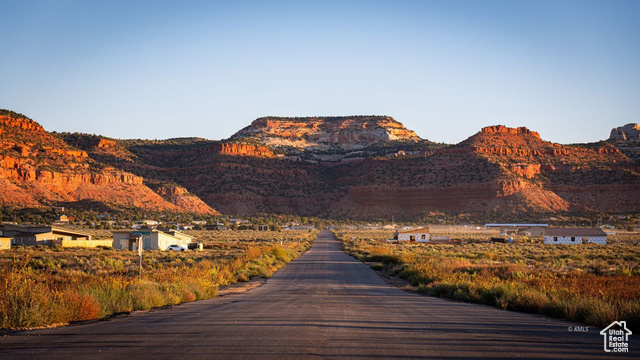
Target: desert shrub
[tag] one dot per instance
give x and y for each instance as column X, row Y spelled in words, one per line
column 593, row 284
column 45, row 286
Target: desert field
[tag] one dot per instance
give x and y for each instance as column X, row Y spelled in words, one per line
column 44, row 286
column 592, row 284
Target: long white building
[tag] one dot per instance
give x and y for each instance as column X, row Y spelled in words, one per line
column 415, row 235
column 574, row 236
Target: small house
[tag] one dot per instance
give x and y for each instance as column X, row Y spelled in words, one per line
column 574, row 236
column 263, row 228
column 31, row 235
column 217, row 226
column 61, row 220
column 41, row 234
column 152, row 239
column 415, row 235
column 5, row 243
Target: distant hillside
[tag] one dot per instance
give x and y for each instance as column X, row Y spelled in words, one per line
column 500, row 172
column 367, row 167
column 39, row 169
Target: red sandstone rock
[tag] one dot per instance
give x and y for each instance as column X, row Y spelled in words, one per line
column 507, row 130
column 21, row 123
column 243, row 150
column 105, row 144
column 38, row 169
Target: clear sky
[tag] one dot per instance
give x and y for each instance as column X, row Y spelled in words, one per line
column 159, row 69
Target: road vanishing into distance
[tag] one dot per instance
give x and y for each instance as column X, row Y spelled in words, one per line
column 323, row 304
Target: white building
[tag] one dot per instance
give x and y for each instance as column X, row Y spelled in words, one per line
column 151, row 239
column 415, row 235
column 574, row 236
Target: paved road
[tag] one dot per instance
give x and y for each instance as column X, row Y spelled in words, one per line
column 323, row 304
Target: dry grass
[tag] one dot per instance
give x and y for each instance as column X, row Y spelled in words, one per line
column 46, row 286
column 231, row 238
column 593, row 284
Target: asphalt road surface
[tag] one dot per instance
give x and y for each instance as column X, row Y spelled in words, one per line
column 323, row 304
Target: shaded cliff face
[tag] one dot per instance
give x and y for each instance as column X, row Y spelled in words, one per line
column 238, row 178
column 325, row 133
column 39, row 169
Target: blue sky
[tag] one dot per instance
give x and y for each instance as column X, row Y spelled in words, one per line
column 162, row 69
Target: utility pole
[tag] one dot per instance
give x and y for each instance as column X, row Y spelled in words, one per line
column 140, row 255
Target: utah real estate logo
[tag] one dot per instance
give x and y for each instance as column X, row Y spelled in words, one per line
column 616, row 337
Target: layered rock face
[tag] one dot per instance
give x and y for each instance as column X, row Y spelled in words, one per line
column 324, row 133
column 501, row 129
column 583, row 178
column 628, row 132
column 15, row 121
column 243, row 150
column 500, row 172
column 38, row 169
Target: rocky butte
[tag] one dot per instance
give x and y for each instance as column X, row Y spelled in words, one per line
column 326, row 133
column 629, row 132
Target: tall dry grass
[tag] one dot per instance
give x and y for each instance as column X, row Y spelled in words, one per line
column 47, row 286
column 592, row 284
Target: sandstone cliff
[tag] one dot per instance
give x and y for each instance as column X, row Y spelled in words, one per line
column 39, row 169
column 584, row 178
column 242, row 150
column 324, row 133
column 500, row 172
